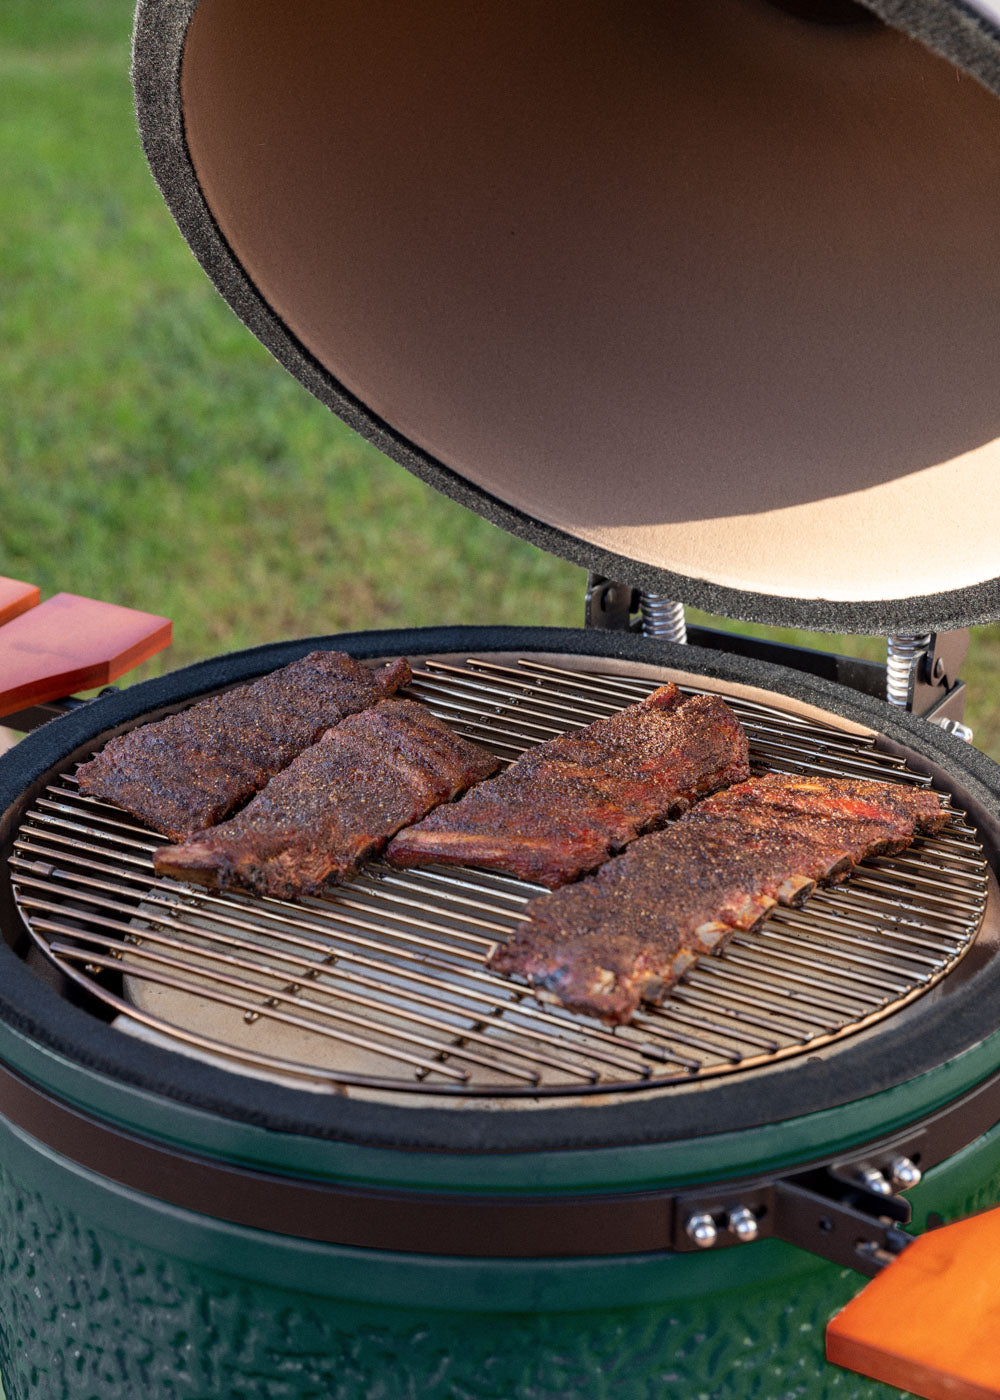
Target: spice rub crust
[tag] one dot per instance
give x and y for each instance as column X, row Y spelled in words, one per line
column 188, row 771
column 624, row 936
column 564, row 807
column 335, row 805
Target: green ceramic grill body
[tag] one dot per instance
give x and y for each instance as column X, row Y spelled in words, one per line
column 107, row 1290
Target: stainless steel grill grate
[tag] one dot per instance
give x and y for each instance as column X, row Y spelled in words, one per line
column 382, row 985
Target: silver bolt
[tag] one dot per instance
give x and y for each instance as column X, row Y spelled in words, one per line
column 904, row 1173
column 874, row 1180
column 743, row 1224
column 701, row 1230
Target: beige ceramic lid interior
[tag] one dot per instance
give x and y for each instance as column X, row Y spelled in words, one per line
column 702, row 284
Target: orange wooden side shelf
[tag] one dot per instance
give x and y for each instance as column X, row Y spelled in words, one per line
column 930, row 1322
column 16, row 598
column 49, row 650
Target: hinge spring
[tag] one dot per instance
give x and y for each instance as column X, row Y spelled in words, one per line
column 904, row 653
column 662, row 618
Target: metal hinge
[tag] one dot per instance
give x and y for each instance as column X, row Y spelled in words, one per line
column 613, row 606
column 921, row 674
column 848, row 1210
column 850, row 1215
column 922, row 677
column 846, row 1222
column 609, row 605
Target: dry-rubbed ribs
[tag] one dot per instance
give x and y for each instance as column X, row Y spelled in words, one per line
column 188, row 771
column 334, row 805
column 624, row 936
column 566, row 806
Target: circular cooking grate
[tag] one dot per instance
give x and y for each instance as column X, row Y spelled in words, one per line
column 382, row 983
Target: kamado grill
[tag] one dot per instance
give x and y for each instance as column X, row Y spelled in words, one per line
column 705, row 298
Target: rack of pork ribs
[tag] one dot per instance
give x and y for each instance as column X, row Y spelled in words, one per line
column 335, row 805
column 603, row 946
column 181, row 774
column 332, row 771
column 564, row 807
column 333, row 768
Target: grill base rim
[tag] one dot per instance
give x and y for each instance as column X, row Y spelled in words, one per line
column 533, row 1224
column 899, row 1053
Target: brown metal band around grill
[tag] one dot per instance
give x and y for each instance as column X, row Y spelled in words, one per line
column 335, row 805
column 379, row 986
column 569, row 804
column 188, row 771
column 628, row 934
column 801, row 1206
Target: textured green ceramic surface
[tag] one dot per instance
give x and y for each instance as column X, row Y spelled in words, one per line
column 107, row 1294
column 87, row 1314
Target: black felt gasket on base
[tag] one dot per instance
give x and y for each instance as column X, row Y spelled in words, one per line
column 951, row 27
column 902, row 1050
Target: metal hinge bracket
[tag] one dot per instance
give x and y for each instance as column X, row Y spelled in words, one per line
column 927, row 671
column 827, row 1211
column 842, row 1221
column 609, row 605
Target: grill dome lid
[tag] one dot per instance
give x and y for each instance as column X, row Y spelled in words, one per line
column 704, row 297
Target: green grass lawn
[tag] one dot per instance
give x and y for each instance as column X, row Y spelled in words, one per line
column 153, row 454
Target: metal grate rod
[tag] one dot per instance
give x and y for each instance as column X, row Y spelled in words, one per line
column 246, row 994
